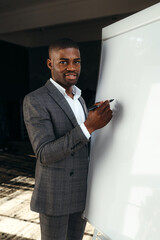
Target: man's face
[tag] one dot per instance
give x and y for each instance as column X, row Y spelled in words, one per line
column 65, row 65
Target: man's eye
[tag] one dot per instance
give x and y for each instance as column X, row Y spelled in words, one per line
column 63, row 62
column 78, row 62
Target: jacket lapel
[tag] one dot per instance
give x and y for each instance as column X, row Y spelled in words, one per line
column 61, row 101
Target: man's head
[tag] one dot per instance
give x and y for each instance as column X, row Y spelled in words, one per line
column 64, row 62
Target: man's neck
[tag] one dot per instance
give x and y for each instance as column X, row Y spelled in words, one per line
column 69, row 92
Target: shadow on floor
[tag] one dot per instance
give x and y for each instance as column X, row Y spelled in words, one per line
column 6, row 236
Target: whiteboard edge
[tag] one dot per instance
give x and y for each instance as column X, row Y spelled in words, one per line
column 134, row 21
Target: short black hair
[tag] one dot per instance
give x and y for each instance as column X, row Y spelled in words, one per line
column 62, row 43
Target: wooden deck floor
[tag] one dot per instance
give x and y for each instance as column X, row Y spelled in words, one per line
column 17, row 222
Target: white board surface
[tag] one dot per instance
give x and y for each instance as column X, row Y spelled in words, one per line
column 123, row 199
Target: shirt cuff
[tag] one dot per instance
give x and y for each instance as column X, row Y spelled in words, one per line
column 85, row 131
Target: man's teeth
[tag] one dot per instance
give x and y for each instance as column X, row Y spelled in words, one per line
column 70, row 75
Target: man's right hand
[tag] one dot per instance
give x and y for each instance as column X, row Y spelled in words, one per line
column 99, row 117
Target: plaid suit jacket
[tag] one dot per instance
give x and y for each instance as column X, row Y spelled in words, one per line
column 61, row 150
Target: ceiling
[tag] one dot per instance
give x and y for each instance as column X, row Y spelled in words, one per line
column 33, row 23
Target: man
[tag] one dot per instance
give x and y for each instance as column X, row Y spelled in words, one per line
column 59, row 130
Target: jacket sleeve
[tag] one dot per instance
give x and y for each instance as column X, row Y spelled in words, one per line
column 41, row 132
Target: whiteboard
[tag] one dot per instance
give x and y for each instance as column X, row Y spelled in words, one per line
column 123, row 198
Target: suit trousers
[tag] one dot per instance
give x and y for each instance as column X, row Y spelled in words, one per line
column 67, row 227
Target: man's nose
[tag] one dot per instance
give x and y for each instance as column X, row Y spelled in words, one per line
column 71, row 67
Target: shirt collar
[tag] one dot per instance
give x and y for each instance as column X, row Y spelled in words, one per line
column 75, row 90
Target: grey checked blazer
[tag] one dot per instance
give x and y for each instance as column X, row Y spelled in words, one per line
column 61, row 149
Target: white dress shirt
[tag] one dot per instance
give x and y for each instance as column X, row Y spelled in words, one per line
column 75, row 105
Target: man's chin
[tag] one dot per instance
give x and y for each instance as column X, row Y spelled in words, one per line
column 71, row 82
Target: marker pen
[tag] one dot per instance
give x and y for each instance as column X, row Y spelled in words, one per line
column 96, row 106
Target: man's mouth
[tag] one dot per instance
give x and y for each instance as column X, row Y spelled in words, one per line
column 71, row 75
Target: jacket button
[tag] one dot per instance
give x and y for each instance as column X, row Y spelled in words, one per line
column 71, row 173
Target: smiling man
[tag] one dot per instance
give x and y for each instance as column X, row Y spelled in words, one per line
column 59, row 129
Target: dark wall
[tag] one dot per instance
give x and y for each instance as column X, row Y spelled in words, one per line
column 14, row 71
column 14, row 85
column 90, row 54
column 38, row 71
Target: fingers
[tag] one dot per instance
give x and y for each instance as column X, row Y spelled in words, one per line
column 104, row 106
column 110, row 113
column 99, row 117
column 98, row 103
column 108, row 116
column 105, row 112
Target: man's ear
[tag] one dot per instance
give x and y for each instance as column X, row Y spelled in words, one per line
column 49, row 64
